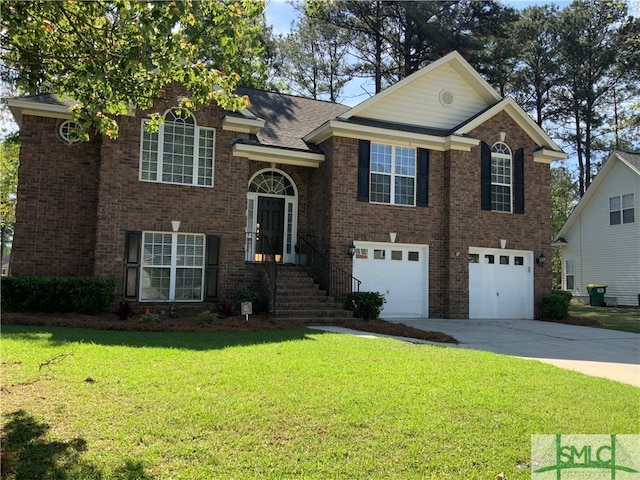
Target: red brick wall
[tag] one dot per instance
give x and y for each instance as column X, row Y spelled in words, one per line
column 56, row 209
column 451, row 223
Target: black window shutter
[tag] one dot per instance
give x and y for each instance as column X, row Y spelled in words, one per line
column 212, row 258
column 132, row 247
column 364, row 157
column 422, row 199
column 518, row 181
column 485, row 176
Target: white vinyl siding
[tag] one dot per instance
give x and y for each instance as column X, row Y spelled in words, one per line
column 603, row 253
column 179, row 152
column 418, row 103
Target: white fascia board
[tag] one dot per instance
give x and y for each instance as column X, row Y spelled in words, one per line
column 21, row 107
column 531, row 128
column 242, row 125
column 336, row 128
column 544, row 155
column 260, row 153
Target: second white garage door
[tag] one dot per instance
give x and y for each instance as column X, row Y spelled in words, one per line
column 399, row 272
column 500, row 283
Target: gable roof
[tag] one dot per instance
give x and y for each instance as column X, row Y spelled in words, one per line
column 439, row 95
column 631, row 160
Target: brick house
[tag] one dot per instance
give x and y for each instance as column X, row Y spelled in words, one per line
column 435, row 192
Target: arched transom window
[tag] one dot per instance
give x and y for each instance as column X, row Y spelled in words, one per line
column 273, row 183
column 501, row 183
column 179, row 152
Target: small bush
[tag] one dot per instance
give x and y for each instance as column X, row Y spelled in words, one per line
column 365, row 305
column 555, row 305
column 248, row 295
column 148, row 317
column 86, row 295
column 206, row 316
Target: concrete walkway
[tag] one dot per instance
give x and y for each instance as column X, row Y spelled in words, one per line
column 594, row 351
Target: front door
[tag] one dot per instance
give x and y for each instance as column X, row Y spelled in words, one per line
column 270, row 227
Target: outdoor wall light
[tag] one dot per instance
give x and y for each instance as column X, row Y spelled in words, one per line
column 541, row 259
column 351, row 250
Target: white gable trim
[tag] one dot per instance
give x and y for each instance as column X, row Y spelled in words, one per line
column 456, row 60
column 336, row 128
column 544, row 155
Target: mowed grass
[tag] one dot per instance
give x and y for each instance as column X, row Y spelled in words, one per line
column 87, row 404
column 626, row 319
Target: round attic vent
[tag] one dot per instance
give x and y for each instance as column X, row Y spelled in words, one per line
column 446, row 97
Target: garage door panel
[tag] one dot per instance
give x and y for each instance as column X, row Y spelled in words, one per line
column 500, row 283
column 399, row 272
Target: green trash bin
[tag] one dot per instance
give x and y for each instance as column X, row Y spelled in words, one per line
column 596, row 294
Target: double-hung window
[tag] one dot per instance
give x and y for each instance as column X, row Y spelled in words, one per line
column 172, row 266
column 179, row 152
column 501, row 178
column 621, row 209
column 392, row 174
column 569, row 275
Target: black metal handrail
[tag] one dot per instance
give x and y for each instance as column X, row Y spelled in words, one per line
column 331, row 278
column 271, row 267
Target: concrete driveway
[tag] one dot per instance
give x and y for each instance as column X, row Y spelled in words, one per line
column 593, row 351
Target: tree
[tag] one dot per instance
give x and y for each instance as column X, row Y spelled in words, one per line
column 537, row 72
column 594, row 41
column 390, row 40
column 110, row 55
column 9, row 154
column 564, row 197
column 314, row 59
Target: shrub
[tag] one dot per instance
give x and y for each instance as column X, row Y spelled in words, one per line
column 365, row 305
column 87, row 295
column 555, row 305
column 206, row 316
column 248, row 295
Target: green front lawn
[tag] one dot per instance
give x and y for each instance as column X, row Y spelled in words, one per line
column 626, row 319
column 88, row 404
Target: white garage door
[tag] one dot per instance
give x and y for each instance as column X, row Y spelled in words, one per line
column 500, row 283
column 399, row 272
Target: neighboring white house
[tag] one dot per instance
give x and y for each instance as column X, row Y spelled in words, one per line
column 600, row 242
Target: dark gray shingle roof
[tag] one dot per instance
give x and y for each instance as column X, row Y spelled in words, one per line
column 289, row 118
column 632, row 158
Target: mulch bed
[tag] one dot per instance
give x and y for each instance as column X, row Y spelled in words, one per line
column 191, row 323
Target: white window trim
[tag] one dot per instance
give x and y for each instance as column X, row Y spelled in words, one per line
column 503, row 156
column 621, row 210
column 393, row 176
column 160, row 155
column 172, row 267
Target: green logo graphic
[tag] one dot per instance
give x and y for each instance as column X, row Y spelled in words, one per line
column 585, row 457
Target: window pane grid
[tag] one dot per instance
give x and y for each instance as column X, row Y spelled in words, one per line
column 180, row 152
column 380, row 188
column 621, row 209
column 173, row 266
column 392, row 177
column 501, row 178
